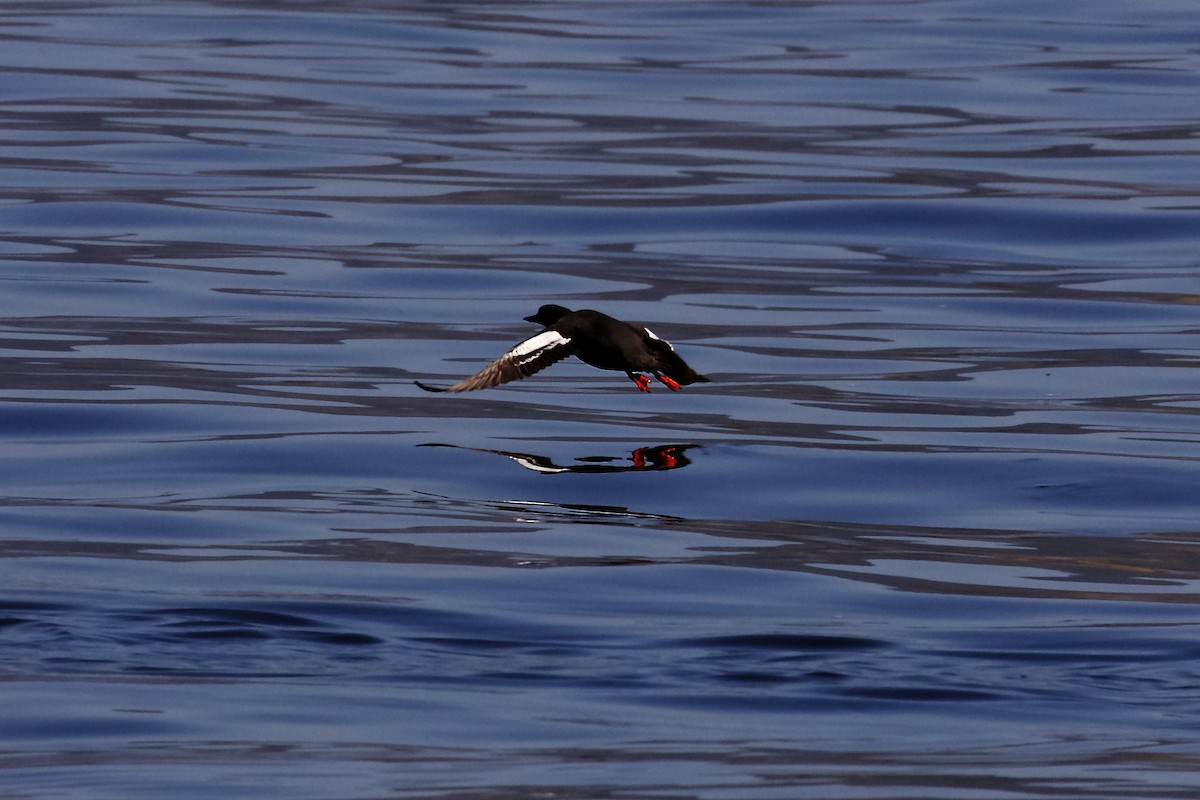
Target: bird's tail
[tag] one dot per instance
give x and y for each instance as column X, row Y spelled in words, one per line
column 677, row 370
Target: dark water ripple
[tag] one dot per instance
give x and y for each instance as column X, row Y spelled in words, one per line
column 931, row 531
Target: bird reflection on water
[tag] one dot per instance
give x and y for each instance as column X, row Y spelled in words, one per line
column 659, row 457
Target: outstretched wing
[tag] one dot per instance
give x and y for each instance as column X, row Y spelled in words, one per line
column 530, row 356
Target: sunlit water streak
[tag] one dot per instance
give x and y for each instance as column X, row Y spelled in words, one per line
column 931, row 530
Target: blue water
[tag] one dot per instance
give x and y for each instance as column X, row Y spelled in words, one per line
column 930, row 532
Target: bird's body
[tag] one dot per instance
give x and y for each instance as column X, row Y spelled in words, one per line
column 594, row 338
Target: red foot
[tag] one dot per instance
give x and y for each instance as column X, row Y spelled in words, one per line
column 642, row 381
column 670, row 383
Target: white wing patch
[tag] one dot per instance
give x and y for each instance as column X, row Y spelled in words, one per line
column 657, row 338
column 532, row 347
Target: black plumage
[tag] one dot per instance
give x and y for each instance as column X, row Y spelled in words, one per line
column 592, row 337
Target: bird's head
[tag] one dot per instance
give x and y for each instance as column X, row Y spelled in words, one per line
column 547, row 315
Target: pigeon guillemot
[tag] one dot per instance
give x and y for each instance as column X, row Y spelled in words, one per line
column 593, row 338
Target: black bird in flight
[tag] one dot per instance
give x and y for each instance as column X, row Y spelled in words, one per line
column 594, row 338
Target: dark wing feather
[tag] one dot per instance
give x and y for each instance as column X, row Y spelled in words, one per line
column 670, row 363
column 530, row 356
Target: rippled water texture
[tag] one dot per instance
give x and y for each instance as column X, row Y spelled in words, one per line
column 930, row 532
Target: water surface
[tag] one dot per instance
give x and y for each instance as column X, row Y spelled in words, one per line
column 931, row 530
